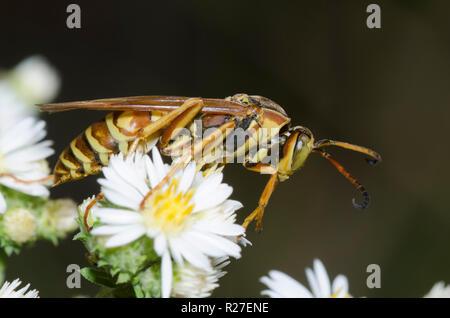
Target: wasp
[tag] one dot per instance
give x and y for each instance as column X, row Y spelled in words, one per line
column 141, row 122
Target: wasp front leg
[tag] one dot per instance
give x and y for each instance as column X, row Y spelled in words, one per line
column 265, row 196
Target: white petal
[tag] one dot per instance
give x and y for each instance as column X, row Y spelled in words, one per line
column 117, row 216
column 125, row 237
column 152, row 174
column 210, row 200
column 160, row 244
column 340, row 286
column 2, row 204
column 313, row 283
column 209, row 184
column 187, row 178
column 33, row 189
column 174, row 250
column 159, row 164
column 322, row 279
column 121, row 198
column 213, row 245
column 31, row 153
column 221, row 228
column 166, row 275
column 193, row 256
column 110, row 229
column 285, row 285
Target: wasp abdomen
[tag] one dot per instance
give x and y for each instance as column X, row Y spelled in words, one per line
column 90, row 151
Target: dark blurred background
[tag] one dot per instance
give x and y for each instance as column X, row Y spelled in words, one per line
column 386, row 88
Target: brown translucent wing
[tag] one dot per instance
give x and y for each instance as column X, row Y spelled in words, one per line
column 148, row 103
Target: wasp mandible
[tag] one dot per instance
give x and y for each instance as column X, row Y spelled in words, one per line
column 137, row 123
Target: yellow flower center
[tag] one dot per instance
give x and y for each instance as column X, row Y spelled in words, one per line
column 335, row 295
column 168, row 209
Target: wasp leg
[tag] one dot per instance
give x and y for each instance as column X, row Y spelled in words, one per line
column 134, row 145
column 97, row 198
column 166, row 120
column 263, row 200
column 174, row 128
column 195, row 151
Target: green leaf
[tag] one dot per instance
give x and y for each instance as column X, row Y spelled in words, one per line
column 98, row 277
column 123, row 278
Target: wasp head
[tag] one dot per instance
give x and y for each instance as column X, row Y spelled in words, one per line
column 297, row 145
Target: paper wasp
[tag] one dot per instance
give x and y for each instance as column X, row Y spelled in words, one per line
column 134, row 121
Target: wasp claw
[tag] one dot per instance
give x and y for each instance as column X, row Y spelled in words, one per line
column 372, row 162
column 364, row 204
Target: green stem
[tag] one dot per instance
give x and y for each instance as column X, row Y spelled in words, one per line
column 3, row 258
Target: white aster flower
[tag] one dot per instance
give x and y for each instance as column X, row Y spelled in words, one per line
column 22, row 158
column 20, row 225
column 194, row 282
column 12, row 107
column 189, row 218
column 8, row 290
column 439, row 290
column 283, row 286
column 36, row 80
column 61, row 214
column 32, row 81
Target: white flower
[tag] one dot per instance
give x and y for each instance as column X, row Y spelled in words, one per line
column 12, row 107
column 439, row 290
column 36, row 80
column 283, row 286
column 8, row 290
column 194, row 282
column 20, row 225
column 189, row 218
column 31, row 81
column 61, row 215
column 22, row 158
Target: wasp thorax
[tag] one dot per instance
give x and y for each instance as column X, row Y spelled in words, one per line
column 257, row 100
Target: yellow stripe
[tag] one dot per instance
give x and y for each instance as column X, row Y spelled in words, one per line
column 104, row 158
column 96, row 146
column 123, row 147
column 78, row 153
column 114, row 131
column 69, row 164
column 75, row 174
column 87, row 167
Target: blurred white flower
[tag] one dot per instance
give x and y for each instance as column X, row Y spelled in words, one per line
column 12, row 107
column 22, row 158
column 283, row 286
column 31, row 82
column 8, row 290
column 36, row 80
column 194, row 282
column 189, row 218
column 20, row 225
column 61, row 215
column 439, row 290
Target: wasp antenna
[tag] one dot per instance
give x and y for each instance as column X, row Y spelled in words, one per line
column 376, row 158
column 349, row 177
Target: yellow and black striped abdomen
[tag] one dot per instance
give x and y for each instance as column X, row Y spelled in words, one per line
column 90, row 151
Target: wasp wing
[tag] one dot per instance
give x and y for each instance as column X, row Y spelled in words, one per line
column 149, row 103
